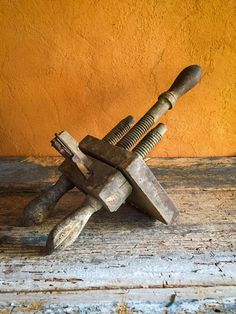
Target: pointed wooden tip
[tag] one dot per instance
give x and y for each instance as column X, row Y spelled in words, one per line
column 66, row 232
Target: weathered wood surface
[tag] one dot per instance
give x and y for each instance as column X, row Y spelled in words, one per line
column 35, row 174
column 123, row 262
column 123, row 301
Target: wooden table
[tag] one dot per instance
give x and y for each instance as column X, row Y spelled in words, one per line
column 123, row 262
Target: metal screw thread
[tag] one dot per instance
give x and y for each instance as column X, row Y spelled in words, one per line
column 119, row 130
column 136, row 132
column 150, row 140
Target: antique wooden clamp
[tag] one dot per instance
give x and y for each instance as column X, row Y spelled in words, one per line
column 108, row 172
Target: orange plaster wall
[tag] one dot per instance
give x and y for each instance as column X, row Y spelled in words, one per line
column 83, row 65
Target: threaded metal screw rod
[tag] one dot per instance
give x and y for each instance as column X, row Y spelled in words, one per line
column 140, row 128
column 150, row 140
column 186, row 80
column 145, row 123
column 119, row 130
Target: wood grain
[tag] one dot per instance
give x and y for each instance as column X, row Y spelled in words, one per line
column 34, row 174
column 124, row 261
column 123, row 301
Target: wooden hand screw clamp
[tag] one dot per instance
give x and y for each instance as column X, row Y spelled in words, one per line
column 108, row 172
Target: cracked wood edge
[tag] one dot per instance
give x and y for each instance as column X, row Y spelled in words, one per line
column 167, row 300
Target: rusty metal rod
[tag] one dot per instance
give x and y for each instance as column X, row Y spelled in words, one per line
column 150, row 140
column 116, row 134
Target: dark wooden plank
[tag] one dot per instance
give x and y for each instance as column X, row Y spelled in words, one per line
column 198, row 173
column 28, row 174
column 196, row 207
column 35, row 174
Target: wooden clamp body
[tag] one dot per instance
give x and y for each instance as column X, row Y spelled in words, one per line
column 109, row 172
column 147, row 193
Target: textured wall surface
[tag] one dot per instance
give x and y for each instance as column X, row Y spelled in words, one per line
column 83, row 65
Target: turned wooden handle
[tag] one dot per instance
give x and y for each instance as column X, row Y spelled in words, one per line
column 67, row 231
column 39, row 208
column 185, row 81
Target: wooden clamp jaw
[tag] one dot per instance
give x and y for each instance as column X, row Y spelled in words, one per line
column 104, row 182
column 115, row 175
column 147, row 193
